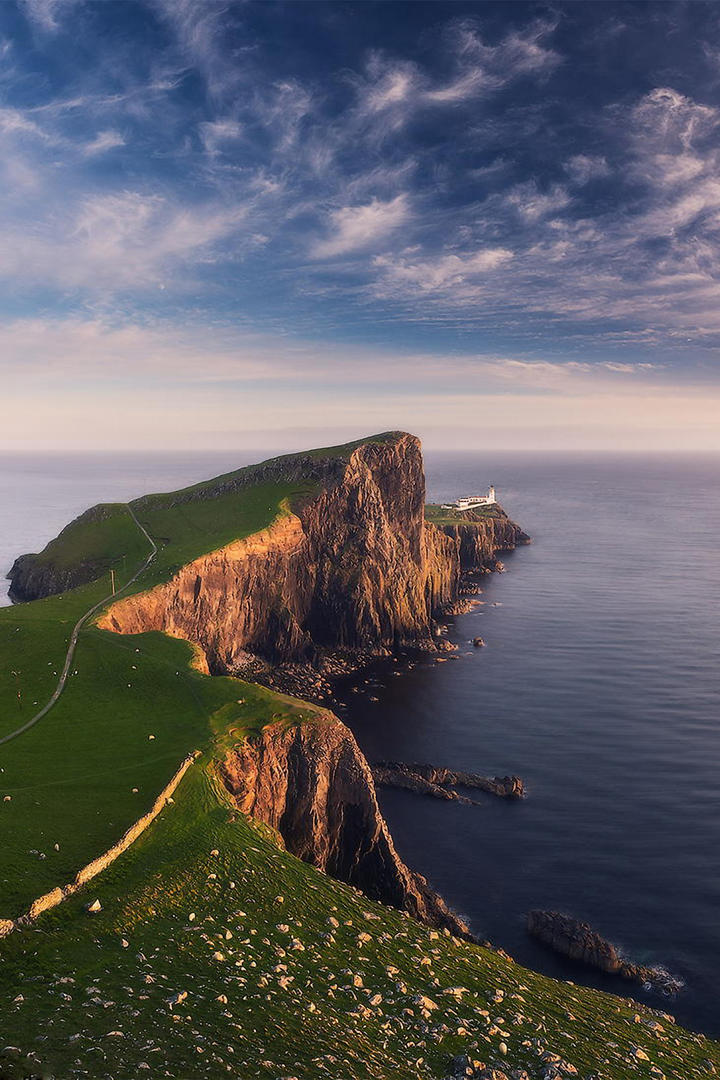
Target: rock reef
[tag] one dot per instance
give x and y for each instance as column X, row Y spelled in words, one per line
column 313, row 786
column 439, row 782
column 579, row 941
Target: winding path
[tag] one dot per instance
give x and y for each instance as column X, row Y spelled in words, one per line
column 76, row 631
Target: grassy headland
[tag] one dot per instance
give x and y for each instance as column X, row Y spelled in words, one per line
column 286, row 972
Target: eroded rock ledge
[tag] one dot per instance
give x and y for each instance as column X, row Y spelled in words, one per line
column 439, row 783
column 312, row 784
column 579, row 941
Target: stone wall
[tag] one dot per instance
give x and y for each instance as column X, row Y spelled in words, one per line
column 92, row 869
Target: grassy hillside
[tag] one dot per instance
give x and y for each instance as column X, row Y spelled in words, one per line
column 71, row 778
column 287, row 973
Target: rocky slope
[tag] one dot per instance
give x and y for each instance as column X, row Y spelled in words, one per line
column 355, row 569
column 313, row 786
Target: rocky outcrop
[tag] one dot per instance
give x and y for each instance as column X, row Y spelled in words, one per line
column 439, row 782
column 313, row 786
column 479, row 537
column 579, row 941
column 355, row 569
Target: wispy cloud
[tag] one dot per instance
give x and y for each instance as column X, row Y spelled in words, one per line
column 47, row 14
column 359, row 228
column 104, row 140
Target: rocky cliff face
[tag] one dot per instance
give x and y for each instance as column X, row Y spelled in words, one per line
column 480, row 538
column 355, row 570
column 313, row 786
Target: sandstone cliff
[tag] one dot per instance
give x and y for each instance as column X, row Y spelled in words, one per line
column 313, row 786
column 355, row 569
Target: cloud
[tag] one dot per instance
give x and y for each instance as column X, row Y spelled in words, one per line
column 103, row 141
column 214, row 134
column 533, row 204
column 357, row 228
column 440, row 274
column 392, row 90
column 520, row 53
column 46, row 14
column 204, row 385
column 120, row 241
column 582, row 168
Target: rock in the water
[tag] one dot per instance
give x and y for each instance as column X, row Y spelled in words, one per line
column 578, row 940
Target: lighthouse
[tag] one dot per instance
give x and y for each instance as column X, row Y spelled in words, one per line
column 470, row 502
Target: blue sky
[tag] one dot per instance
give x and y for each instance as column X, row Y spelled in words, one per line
column 269, row 224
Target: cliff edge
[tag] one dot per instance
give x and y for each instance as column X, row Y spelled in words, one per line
column 313, row 786
column 352, row 569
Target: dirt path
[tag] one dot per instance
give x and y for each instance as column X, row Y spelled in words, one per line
column 76, row 631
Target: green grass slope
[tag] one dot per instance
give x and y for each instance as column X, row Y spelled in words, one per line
column 288, row 974
column 70, row 780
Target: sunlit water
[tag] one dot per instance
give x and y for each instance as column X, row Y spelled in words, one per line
column 599, row 685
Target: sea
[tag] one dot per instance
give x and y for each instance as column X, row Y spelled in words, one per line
column 599, row 685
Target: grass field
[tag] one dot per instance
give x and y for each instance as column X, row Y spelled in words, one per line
column 288, row 973
column 439, row 515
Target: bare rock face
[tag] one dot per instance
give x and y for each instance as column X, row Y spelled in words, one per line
column 480, row 537
column 357, row 569
column 574, row 939
column 312, row 784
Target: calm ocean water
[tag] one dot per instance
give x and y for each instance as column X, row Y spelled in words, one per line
column 600, row 686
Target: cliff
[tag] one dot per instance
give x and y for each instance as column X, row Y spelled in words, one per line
column 313, row 786
column 352, row 569
column 480, row 538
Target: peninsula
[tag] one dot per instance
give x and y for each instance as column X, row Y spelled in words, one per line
column 196, row 879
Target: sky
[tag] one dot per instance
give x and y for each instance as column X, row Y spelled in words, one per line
column 261, row 224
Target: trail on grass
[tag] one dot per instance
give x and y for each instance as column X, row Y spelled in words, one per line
column 76, row 631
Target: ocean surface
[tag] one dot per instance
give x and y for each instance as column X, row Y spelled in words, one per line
column 599, row 686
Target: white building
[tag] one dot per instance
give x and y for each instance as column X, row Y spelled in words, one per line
column 470, row 502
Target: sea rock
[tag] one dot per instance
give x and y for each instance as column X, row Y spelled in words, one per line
column 578, row 940
column 438, row 782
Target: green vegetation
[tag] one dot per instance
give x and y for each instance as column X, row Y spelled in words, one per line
column 70, row 778
column 287, row 973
